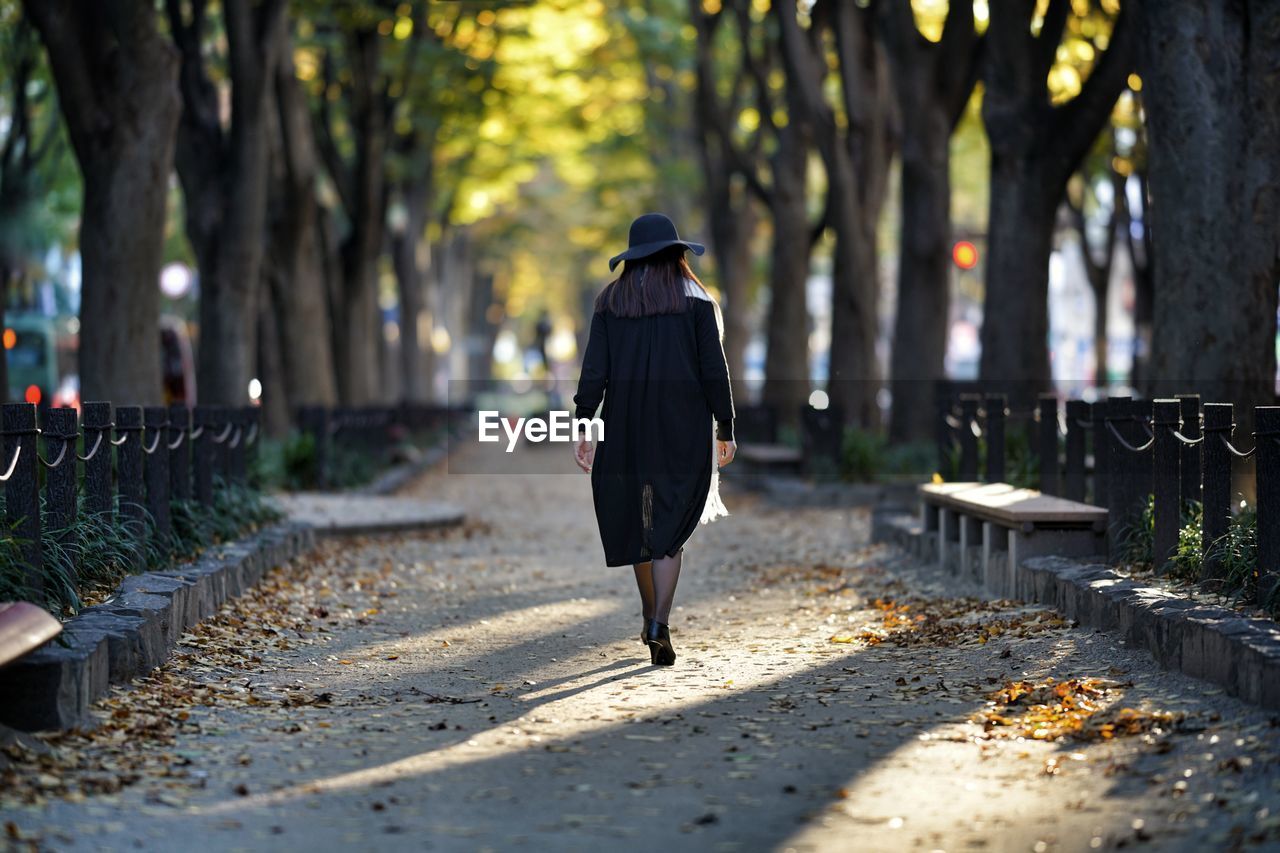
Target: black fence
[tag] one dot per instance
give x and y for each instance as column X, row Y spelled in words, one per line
column 370, row 428
column 128, row 459
column 1125, row 454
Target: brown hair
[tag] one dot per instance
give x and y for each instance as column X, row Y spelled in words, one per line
column 650, row 285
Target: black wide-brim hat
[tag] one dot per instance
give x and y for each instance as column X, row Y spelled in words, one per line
column 650, row 234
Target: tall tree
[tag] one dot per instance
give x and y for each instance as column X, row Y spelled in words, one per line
column 775, row 167
column 1137, row 228
column 364, row 88
column 730, row 209
column 1211, row 89
column 295, row 307
column 446, row 97
column 933, row 82
column 1035, row 147
column 1097, row 215
column 856, row 154
column 224, row 169
column 117, row 84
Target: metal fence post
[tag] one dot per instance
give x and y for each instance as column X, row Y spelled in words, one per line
column 1166, row 455
column 1047, row 443
column 252, row 438
column 202, row 452
column 179, row 452
column 1219, row 422
column 1190, row 465
column 224, row 430
column 1077, row 414
column 319, row 425
column 1267, row 426
column 133, row 512
column 968, row 441
column 994, row 407
column 1101, row 453
column 22, row 487
column 95, row 423
column 156, row 447
column 60, row 481
column 1118, row 470
column 236, row 459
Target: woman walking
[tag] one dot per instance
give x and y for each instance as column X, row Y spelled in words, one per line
column 654, row 356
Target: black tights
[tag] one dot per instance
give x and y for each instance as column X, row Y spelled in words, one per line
column 657, row 581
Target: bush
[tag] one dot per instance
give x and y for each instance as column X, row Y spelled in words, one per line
column 1137, row 545
column 290, row 464
column 1188, row 560
column 1236, row 554
column 861, row 455
column 89, row 558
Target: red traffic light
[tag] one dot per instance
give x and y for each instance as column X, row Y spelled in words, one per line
column 965, row 255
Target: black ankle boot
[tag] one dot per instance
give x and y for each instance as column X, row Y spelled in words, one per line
column 644, row 632
column 661, row 652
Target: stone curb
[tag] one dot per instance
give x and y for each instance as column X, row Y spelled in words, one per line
column 1216, row 644
column 53, row 687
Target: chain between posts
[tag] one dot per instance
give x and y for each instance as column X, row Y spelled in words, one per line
column 1226, row 442
column 97, row 442
column 13, row 463
column 155, row 442
column 1125, row 444
column 221, row 439
column 62, row 454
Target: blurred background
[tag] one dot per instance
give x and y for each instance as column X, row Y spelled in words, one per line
column 319, row 203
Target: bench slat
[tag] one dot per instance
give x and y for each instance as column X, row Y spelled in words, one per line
column 1005, row 504
column 769, row 453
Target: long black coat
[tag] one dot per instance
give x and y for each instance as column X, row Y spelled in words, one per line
column 663, row 379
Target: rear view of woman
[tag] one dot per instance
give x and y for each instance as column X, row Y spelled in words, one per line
column 654, row 357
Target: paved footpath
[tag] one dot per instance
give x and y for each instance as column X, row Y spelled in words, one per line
column 486, row 689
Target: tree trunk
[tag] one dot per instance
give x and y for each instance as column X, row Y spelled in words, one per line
column 117, row 86
column 732, row 227
column 410, row 257
column 924, row 274
column 1035, row 147
column 786, row 368
column 270, row 372
column 359, row 323
column 1213, row 108
column 225, row 179
column 1015, row 323
column 294, row 264
column 854, row 374
column 729, row 208
column 1141, row 255
column 1100, row 292
column 933, row 82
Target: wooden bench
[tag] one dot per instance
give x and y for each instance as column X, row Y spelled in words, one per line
column 24, row 628
column 984, row 530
